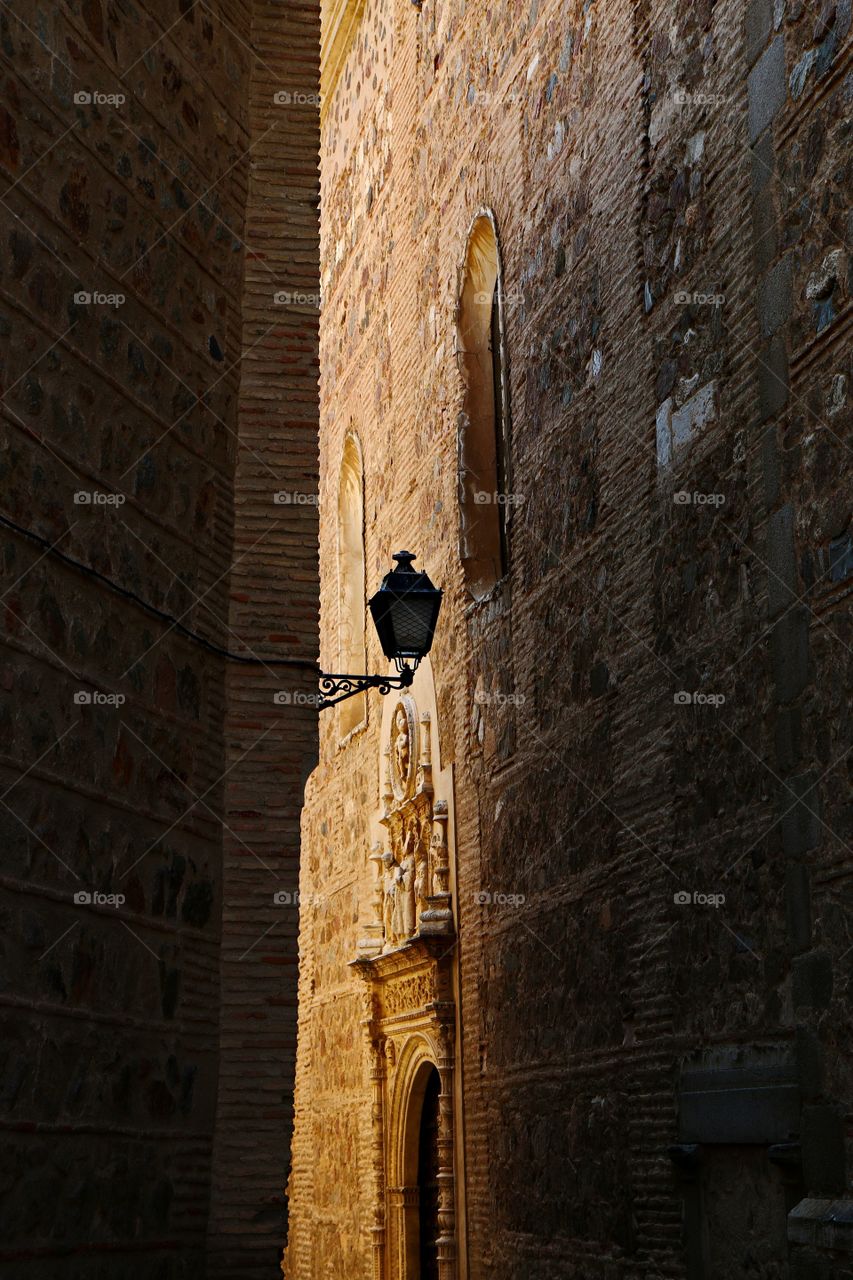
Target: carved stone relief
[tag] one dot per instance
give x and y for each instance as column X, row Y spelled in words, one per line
column 411, row 893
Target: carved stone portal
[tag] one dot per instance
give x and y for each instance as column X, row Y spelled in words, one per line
column 407, row 959
column 411, row 872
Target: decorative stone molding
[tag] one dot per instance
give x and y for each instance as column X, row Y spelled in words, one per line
column 407, row 960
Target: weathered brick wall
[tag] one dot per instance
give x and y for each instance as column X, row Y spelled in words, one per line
column 271, row 725
column 667, row 183
column 111, row 1026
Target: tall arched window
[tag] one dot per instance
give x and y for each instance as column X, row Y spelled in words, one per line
column 351, row 602
column 484, row 427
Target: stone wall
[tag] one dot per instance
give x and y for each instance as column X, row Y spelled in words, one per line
column 125, row 136
column 271, row 729
column 651, row 706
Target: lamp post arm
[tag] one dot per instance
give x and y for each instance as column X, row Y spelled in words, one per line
column 336, row 688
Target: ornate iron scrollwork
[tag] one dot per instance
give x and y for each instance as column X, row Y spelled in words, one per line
column 336, row 688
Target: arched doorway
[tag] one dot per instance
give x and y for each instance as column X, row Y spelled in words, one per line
column 423, row 1218
column 428, row 1179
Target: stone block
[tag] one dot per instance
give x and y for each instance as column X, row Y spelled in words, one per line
column 812, row 980
column 801, row 827
column 798, row 907
column 787, row 737
column 824, row 1164
column 663, row 435
column 758, row 25
column 781, row 560
column 766, row 87
column 770, row 468
column 808, row 1264
column 789, row 654
column 694, row 416
column 741, row 1093
column 810, row 1063
column 763, row 163
column 772, row 378
column 841, row 558
column 775, row 298
column 765, row 239
column 824, row 1224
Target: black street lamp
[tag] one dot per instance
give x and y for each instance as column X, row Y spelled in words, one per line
column 405, row 611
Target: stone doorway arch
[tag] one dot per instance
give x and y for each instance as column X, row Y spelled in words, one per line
column 406, row 1190
column 420, row 1182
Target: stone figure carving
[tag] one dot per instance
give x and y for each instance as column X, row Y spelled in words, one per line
column 406, row 889
column 421, row 879
column 389, row 895
column 402, row 747
column 411, row 888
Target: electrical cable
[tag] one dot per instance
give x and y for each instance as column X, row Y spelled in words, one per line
column 209, row 645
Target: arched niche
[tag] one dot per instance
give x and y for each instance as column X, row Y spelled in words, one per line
column 351, row 592
column 483, row 440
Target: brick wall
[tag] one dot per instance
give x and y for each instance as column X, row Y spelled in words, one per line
column 271, row 725
column 666, row 182
column 111, row 1010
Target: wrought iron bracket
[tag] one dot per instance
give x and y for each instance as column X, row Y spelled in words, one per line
column 336, row 688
